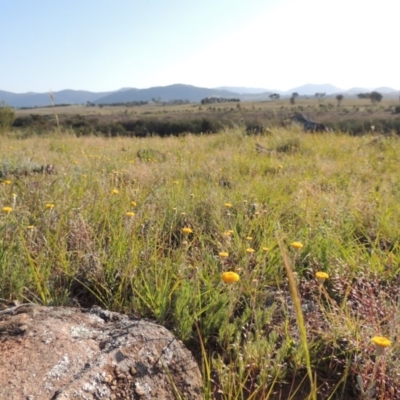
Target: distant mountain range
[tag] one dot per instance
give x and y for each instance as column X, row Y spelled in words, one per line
column 172, row 92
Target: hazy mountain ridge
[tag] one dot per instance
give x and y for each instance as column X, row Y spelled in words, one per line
column 165, row 93
column 67, row 96
column 173, row 92
column 246, row 90
column 310, row 89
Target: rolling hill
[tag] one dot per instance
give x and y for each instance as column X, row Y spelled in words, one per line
column 172, row 92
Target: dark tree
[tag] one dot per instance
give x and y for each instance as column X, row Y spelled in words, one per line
column 295, row 95
column 274, row 96
column 375, row 97
column 364, row 95
column 339, row 99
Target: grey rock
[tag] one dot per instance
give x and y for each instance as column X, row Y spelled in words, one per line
column 58, row 353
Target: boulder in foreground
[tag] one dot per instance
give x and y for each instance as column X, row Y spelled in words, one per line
column 63, row 353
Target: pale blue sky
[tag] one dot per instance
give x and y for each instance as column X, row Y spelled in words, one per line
column 103, row 45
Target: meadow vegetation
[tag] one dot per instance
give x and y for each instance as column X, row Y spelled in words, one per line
column 353, row 116
column 151, row 226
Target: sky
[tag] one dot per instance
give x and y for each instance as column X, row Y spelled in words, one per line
column 105, row 45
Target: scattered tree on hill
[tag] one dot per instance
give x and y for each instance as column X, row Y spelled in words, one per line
column 210, row 100
column 319, row 96
column 375, row 97
column 339, row 99
column 7, row 117
column 274, row 96
column 295, row 95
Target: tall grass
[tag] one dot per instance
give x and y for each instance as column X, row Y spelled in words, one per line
column 114, row 238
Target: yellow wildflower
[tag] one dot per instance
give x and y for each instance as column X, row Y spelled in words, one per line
column 130, row 214
column 321, row 276
column 133, row 203
column 380, row 341
column 223, row 254
column 228, row 205
column 7, row 182
column 115, row 191
column 30, row 227
column 297, row 245
column 250, row 251
column 230, row 277
column 187, row 230
column 265, row 248
column 249, row 238
column 7, row 210
column 49, row 205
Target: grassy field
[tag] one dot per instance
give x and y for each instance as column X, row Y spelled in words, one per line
column 149, row 226
column 363, row 107
column 355, row 116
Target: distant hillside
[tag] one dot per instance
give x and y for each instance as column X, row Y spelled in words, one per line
column 245, row 90
column 356, row 90
column 310, row 89
column 19, row 100
column 385, row 90
column 165, row 93
column 175, row 92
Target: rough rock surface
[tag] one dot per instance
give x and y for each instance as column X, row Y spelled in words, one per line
column 66, row 353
